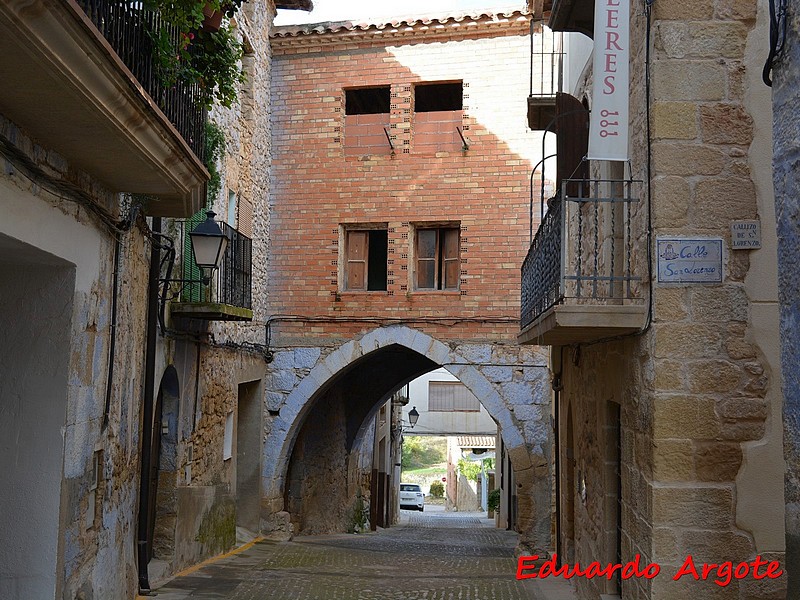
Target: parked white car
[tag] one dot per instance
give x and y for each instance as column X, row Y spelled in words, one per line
column 411, row 497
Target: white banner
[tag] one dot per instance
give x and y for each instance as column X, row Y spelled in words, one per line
column 608, row 124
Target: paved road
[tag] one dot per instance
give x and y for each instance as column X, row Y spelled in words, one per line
column 428, row 556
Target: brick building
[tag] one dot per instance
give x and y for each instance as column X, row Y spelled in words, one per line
column 399, row 214
column 666, row 378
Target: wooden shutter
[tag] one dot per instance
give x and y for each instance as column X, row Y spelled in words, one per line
column 426, row 258
column 451, row 267
column 357, row 245
column 245, row 218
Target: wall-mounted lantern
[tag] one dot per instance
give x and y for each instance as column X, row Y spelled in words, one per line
column 208, row 243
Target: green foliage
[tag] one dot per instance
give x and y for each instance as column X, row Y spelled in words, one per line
column 470, row 470
column 210, row 59
column 437, row 489
column 422, row 451
column 360, row 519
column 214, row 150
column 493, row 501
column 216, row 66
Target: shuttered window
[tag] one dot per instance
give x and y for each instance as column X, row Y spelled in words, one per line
column 366, row 253
column 451, row 396
column 437, row 254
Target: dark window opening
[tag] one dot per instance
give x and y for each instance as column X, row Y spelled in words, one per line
column 367, row 253
column 367, row 101
column 431, row 97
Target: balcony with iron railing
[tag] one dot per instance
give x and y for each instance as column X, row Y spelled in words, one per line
column 582, row 278
column 547, row 57
column 79, row 76
column 222, row 295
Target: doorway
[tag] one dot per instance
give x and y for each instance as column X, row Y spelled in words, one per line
column 36, row 299
column 248, row 456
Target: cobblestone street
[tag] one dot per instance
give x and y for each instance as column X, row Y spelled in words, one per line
column 430, row 556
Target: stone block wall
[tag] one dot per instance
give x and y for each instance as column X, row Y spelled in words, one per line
column 786, row 114
column 319, row 399
column 699, row 392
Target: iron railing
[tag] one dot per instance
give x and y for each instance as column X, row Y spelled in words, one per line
column 231, row 283
column 547, row 56
column 129, row 29
column 541, row 270
column 584, row 249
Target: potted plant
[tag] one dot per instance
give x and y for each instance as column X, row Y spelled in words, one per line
column 187, row 51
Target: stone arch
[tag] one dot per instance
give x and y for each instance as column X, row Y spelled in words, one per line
column 524, row 431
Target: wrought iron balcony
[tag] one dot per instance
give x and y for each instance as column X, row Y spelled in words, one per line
column 79, row 78
column 227, row 294
column 547, row 56
column 125, row 25
column 581, row 279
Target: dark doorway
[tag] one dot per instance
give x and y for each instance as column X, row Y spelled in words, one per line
column 248, row 456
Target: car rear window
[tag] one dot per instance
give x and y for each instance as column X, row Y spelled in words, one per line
column 409, row 488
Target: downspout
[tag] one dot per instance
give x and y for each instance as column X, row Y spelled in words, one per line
column 147, row 411
column 123, row 226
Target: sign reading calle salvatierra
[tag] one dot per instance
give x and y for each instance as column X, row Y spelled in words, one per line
column 689, row 260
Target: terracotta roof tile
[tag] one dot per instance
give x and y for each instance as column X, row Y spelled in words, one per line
column 410, row 23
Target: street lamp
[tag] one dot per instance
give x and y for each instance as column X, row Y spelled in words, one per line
column 413, row 417
column 208, row 243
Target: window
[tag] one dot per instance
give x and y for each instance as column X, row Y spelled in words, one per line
column 450, row 396
column 367, row 121
column 435, row 97
column 437, row 117
column 232, row 205
column 367, row 101
column 366, row 252
column 437, row 258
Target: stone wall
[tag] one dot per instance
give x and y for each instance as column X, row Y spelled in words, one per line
column 786, row 113
column 94, row 550
column 699, row 392
column 305, row 468
column 200, row 507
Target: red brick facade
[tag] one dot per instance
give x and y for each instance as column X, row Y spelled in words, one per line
column 332, row 172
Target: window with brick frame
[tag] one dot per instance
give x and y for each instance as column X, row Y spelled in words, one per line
column 437, row 261
column 366, row 118
column 451, row 396
column 438, row 114
column 365, row 259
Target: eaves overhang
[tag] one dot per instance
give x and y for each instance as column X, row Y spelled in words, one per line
column 401, row 30
column 64, row 85
column 572, row 15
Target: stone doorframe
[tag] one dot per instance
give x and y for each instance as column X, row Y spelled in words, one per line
column 516, row 395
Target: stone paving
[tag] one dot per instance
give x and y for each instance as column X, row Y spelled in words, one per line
column 428, row 556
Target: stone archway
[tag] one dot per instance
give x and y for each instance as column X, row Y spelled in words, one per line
column 515, row 393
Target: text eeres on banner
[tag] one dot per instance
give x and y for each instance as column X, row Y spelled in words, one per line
column 608, row 130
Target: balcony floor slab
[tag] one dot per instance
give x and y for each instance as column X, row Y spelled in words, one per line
column 566, row 324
